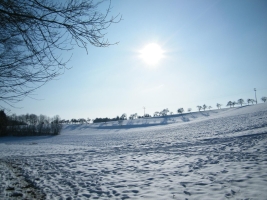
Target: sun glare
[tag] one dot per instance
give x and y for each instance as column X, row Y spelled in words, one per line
column 152, row 53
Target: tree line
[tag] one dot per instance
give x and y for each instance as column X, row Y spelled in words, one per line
column 96, row 120
column 29, row 125
column 164, row 112
column 34, row 125
column 242, row 101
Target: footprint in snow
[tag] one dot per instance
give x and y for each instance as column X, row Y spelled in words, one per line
column 187, row 193
column 182, row 184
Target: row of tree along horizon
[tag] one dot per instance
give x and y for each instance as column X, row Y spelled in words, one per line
column 32, row 119
column 31, row 124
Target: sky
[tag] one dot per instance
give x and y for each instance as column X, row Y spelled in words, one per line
column 213, row 52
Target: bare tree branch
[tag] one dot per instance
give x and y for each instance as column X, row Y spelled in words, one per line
column 33, row 35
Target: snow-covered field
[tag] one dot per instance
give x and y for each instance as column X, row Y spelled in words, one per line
column 218, row 154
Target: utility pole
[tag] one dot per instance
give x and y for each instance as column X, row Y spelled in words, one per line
column 255, row 96
column 144, row 111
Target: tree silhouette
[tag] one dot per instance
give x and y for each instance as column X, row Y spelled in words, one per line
column 82, row 120
column 123, row 116
column 164, row 112
column 264, row 99
column 230, row 103
column 204, row 107
column 199, row 108
column 156, row 114
column 34, row 125
column 189, row 110
column 240, row 101
column 3, row 123
column 34, row 34
column 180, row 110
column 219, row 105
column 133, row 116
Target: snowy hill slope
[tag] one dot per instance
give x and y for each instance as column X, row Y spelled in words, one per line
column 178, row 119
column 216, row 154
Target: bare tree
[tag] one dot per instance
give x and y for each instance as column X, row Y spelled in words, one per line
column 234, row 103
column 147, row 115
column 180, row 110
column 35, row 33
column 55, row 125
column 219, row 105
column 123, row 116
column 230, row 103
column 164, row 112
column 33, row 119
column 199, row 108
column 31, row 124
column 204, row 107
column 74, row 121
column 240, row 101
column 156, row 114
column 133, row 116
column 264, row 99
column 82, row 120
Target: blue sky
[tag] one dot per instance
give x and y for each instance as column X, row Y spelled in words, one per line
column 214, row 51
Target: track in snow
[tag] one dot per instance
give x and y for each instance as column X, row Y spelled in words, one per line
column 218, row 156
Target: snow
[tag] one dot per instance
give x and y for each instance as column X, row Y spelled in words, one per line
column 217, row 154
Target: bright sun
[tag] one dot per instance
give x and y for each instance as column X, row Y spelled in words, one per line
column 152, row 53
